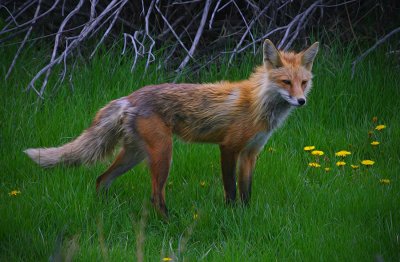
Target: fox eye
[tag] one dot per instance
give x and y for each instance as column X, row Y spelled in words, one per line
column 304, row 83
column 287, row 82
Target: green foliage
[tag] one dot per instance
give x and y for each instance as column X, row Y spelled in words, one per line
column 296, row 212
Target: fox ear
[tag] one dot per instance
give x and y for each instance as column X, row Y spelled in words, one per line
column 309, row 55
column 272, row 58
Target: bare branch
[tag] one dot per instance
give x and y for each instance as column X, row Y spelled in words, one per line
column 338, row 4
column 225, row 5
column 23, row 42
column 247, row 31
column 148, row 16
column 262, row 38
column 142, row 13
column 150, row 56
column 176, row 22
column 10, row 15
column 254, row 6
column 64, row 72
column 93, row 4
column 377, row 43
column 198, row 35
column 172, row 30
column 289, row 27
column 305, row 15
column 134, row 46
column 69, row 16
column 185, row 2
column 75, row 42
column 31, row 21
column 213, row 14
column 20, row 11
column 109, row 28
column 142, row 48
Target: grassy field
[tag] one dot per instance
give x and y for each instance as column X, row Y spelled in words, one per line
column 297, row 212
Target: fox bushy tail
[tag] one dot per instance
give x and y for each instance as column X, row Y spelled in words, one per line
column 93, row 144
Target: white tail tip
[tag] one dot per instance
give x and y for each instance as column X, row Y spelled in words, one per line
column 43, row 156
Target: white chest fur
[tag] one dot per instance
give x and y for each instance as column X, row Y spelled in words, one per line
column 257, row 142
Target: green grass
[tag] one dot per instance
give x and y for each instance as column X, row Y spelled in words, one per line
column 296, row 212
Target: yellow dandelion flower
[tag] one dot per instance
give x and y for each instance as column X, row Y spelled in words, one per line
column 14, row 193
column 271, row 149
column 309, row 148
column 167, row 259
column 385, row 181
column 203, row 183
column 354, row 166
column 195, row 216
column 380, row 127
column 375, row 119
column 327, row 169
column 367, row 162
column 317, row 153
column 340, row 163
column 343, row 153
column 313, row 164
column 375, row 143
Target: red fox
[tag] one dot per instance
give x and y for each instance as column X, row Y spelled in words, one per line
column 238, row 116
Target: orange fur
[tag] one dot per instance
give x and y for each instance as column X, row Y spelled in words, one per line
column 238, row 116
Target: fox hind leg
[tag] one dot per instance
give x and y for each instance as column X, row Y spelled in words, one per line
column 127, row 158
column 157, row 139
column 159, row 163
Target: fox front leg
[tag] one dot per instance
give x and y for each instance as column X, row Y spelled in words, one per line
column 247, row 162
column 228, row 166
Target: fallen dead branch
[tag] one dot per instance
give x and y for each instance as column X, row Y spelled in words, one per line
column 186, row 30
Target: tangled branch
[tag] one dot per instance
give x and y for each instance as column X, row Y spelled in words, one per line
column 187, row 30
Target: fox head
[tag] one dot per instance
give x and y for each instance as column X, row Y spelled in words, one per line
column 290, row 73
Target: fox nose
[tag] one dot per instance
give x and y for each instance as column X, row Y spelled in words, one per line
column 301, row 101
